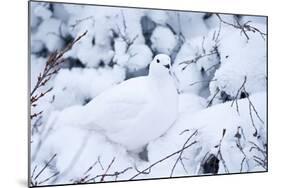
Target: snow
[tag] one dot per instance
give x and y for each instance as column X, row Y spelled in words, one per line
column 140, row 57
column 48, row 32
column 42, row 12
column 158, row 16
column 163, row 40
column 220, row 75
column 249, row 62
column 187, row 74
column 210, row 126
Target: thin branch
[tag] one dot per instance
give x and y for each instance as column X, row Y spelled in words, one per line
column 211, row 101
column 258, row 148
column 142, row 172
column 161, row 160
column 47, row 179
column 253, row 107
column 239, row 146
column 195, row 60
column 243, row 27
column 219, row 154
column 237, row 94
column 124, row 35
column 202, row 81
column 109, row 166
column 100, row 163
column 115, row 174
column 33, row 172
column 181, row 152
column 52, row 66
column 45, row 167
column 79, row 21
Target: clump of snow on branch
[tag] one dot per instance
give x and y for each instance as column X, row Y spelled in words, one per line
column 219, row 65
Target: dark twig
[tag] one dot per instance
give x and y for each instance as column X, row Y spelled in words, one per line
column 47, row 179
column 161, row 160
column 33, row 172
column 263, row 151
column 252, row 107
column 261, row 161
column 195, row 60
column 52, row 66
column 124, row 35
column 182, row 164
column 202, row 81
column 219, row 154
column 115, row 174
column 100, row 163
column 79, row 21
column 181, row 152
column 45, row 167
column 243, row 27
column 109, row 166
column 238, row 135
column 237, row 94
column 184, row 131
column 211, row 101
column 142, row 172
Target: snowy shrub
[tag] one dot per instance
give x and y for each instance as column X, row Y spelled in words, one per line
column 219, row 67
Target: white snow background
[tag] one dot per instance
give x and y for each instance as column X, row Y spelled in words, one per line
column 219, row 64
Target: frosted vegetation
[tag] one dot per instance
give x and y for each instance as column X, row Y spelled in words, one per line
column 219, row 63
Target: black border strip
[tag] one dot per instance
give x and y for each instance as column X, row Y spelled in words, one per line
column 29, row 85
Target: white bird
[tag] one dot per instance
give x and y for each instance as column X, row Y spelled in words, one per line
column 134, row 112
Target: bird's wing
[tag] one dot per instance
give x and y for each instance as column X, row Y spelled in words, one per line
column 120, row 106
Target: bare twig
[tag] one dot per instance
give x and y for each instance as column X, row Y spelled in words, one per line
column 45, row 167
column 180, row 35
column 194, row 60
column 100, row 163
column 86, row 174
column 33, row 172
column 142, row 172
column 260, row 161
column 161, row 160
column 238, row 135
column 211, row 101
column 212, row 67
column 252, row 107
column 109, row 166
column 219, row 154
column 184, row 131
column 124, row 35
column 181, row 152
column 244, row 27
column 237, row 94
column 202, row 81
column 263, row 151
column 52, row 66
column 47, row 179
column 79, row 21
column 115, row 174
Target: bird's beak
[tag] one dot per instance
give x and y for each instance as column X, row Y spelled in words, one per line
column 167, row 66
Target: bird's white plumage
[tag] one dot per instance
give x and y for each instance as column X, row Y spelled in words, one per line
column 134, row 112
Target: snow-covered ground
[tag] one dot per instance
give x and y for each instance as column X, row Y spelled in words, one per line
column 219, row 65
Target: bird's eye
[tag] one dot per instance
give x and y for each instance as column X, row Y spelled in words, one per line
column 157, row 60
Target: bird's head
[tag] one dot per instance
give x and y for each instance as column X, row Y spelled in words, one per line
column 160, row 65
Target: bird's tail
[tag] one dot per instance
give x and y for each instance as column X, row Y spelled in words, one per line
column 76, row 116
